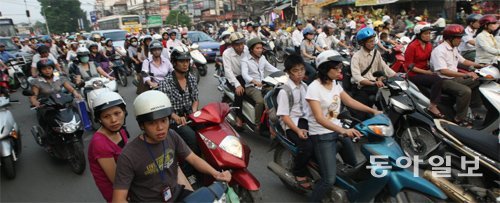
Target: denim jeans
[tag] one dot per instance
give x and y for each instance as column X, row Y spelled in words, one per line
column 325, row 150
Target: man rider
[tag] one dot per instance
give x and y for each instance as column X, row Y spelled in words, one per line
column 5, row 55
column 467, row 46
column 43, row 52
column 173, row 41
column 297, row 36
column 147, row 169
column 253, row 67
column 362, row 69
column 232, row 70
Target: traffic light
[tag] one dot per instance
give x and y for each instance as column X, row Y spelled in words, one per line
column 28, row 13
column 0, row 14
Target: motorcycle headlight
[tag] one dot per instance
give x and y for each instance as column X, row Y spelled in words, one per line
column 97, row 84
column 67, row 128
column 206, row 50
column 232, row 145
column 208, row 142
column 382, row 130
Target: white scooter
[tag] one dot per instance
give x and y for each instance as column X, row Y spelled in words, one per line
column 198, row 60
column 17, row 74
column 10, row 139
column 96, row 86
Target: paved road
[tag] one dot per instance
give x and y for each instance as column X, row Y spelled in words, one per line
column 43, row 179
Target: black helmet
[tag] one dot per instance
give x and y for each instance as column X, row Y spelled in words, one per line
column 43, row 49
column 473, row 18
column 180, row 53
column 45, row 63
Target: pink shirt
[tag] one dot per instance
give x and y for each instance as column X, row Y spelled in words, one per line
column 102, row 147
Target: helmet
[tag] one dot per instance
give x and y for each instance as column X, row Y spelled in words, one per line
column 272, row 26
column 421, row 27
column 329, row 55
column 82, row 51
column 298, row 22
column 378, row 23
column 329, row 25
column 144, row 38
column 418, row 18
column 487, row 19
column 453, row 30
column 473, row 18
column 172, row 32
column 236, row 38
column 364, row 34
column 96, row 36
column 107, row 40
column 42, row 49
column 180, row 53
column 224, row 34
column 307, row 31
column 157, row 37
column 155, row 45
column 92, row 44
column 106, row 100
column 44, row 63
column 147, row 109
column 252, row 42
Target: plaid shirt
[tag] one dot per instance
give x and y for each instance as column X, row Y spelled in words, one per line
column 182, row 102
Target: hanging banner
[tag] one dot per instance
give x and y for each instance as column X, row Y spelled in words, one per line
column 373, row 2
column 164, row 9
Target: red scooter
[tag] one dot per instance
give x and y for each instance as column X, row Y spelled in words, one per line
column 223, row 149
column 399, row 65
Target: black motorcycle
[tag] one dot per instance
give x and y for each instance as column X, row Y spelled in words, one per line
column 119, row 70
column 269, row 52
column 60, row 131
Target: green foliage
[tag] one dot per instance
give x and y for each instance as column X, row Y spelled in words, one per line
column 62, row 16
column 176, row 17
column 40, row 26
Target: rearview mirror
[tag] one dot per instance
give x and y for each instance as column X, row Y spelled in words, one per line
column 378, row 74
column 410, row 67
column 345, row 114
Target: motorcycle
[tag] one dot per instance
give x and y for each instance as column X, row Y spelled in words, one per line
column 10, row 137
column 248, row 107
column 398, row 65
column 212, row 193
column 61, row 132
column 461, row 145
column 92, row 89
column 223, row 149
column 17, row 75
column 119, row 70
column 198, row 59
column 269, row 52
column 358, row 183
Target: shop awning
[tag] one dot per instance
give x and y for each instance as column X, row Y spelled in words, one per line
column 373, row 2
column 321, row 3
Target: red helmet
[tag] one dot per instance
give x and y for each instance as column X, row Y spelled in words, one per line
column 453, row 30
column 487, row 19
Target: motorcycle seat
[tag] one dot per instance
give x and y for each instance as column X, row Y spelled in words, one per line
column 483, row 142
column 445, row 98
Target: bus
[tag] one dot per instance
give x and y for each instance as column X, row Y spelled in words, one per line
column 7, row 28
column 129, row 23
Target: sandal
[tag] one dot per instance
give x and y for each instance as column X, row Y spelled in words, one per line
column 435, row 115
column 304, row 184
column 464, row 123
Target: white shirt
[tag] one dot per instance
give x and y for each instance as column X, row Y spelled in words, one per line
column 487, row 48
column 26, row 48
column 36, row 59
column 297, row 38
column 253, row 69
column 330, row 105
column 440, row 22
column 445, row 57
column 173, row 43
column 326, row 42
column 299, row 109
column 71, row 55
column 352, row 24
column 469, row 35
column 232, row 65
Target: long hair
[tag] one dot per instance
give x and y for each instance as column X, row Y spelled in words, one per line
column 323, row 70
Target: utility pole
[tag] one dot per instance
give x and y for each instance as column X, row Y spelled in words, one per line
column 29, row 18
column 146, row 14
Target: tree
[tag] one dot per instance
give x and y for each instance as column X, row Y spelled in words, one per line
column 62, row 16
column 39, row 27
column 176, row 17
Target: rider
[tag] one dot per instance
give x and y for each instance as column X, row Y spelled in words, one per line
column 418, row 53
column 364, row 63
column 487, row 47
column 173, row 42
column 325, row 98
column 107, row 143
column 134, row 55
column 109, row 48
column 146, row 41
column 147, row 169
column 464, row 86
column 43, row 52
column 184, row 38
column 97, row 57
column 5, row 55
column 157, row 67
column 468, row 44
column 224, row 37
column 164, row 38
column 307, row 49
column 71, row 55
column 232, row 58
column 84, row 69
column 327, row 40
column 297, row 36
column 253, row 68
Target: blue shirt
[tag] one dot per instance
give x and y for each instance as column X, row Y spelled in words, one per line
column 5, row 56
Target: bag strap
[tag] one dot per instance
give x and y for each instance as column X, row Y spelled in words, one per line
column 289, row 94
column 371, row 63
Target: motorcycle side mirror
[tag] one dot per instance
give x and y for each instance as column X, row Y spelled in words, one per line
column 410, row 67
column 345, row 114
column 378, row 74
column 28, row 93
column 144, row 74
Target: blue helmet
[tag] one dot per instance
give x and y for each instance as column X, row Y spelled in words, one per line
column 298, row 22
column 364, row 34
column 307, row 31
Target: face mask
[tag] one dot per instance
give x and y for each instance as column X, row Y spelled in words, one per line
column 84, row 59
column 134, row 43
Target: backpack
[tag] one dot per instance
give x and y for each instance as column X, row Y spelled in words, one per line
column 271, row 100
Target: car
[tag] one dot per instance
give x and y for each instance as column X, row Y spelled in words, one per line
column 118, row 37
column 208, row 46
column 14, row 50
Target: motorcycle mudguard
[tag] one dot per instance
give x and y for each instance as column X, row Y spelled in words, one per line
column 245, row 179
column 82, row 108
column 404, row 179
column 418, row 117
column 5, row 147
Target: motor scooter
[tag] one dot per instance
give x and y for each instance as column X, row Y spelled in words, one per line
column 92, row 89
column 119, row 70
column 10, row 136
column 16, row 74
column 198, row 60
column 60, row 132
column 223, row 149
column 363, row 181
column 213, row 193
column 269, row 52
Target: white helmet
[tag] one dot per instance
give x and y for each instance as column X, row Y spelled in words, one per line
column 418, row 18
column 106, row 100
column 490, row 72
column 157, row 37
column 224, row 34
column 152, row 105
column 330, row 55
column 421, row 27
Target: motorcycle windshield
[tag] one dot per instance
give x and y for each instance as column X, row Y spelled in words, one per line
column 211, row 113
column 61, row 99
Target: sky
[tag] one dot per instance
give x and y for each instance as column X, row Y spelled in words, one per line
column 16, row 9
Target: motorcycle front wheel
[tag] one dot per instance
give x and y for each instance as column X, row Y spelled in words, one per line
column 407, row 196
column 202, row 70
column 284, row 158
column 8, row 167
column 247, row 195
column 122, row 78
column 271, row 58
column 77, row 159
column 22, row 81
column 424, row 141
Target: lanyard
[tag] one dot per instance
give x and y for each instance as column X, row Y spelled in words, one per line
column 160, row 171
